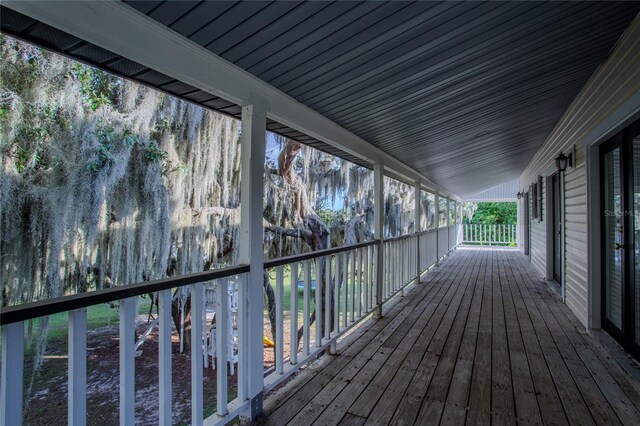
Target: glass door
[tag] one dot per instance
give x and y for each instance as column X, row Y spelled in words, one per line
column 633, row 289
column 620, row 174
column 613, row 237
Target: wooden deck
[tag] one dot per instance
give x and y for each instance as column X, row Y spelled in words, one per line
column 482, row 340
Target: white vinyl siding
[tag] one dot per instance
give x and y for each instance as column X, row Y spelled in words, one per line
column 575, row 219
column 611, row 96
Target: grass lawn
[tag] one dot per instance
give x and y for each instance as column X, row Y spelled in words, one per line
column 97, row 316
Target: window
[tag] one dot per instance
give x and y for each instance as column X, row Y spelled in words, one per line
column 536, row 199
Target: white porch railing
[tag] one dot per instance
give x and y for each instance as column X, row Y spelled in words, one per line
column 340, row 288
column 13, row 321
column 495, row 234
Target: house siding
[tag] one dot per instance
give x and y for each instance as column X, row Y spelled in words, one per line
column 575, row 229
column 608, row 100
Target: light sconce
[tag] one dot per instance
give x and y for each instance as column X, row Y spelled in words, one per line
column 519, row 195
column 564, row 161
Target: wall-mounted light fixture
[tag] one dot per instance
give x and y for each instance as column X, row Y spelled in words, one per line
column 563, row 161
column 519, row 195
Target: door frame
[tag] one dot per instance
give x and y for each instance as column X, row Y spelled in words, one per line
column 549, row 204
column 601, row 130
column 614, row 142
column 625, row 336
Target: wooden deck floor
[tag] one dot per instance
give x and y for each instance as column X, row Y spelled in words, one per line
column 482, row 340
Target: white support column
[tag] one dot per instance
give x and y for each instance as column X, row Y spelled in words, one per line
column 446, row 216
column 417, row 229
column 250, row 374
column 11, row 382
column 378, row 208
column 77, row 367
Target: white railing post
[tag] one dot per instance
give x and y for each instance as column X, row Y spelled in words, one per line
column 378, row 207
column 250, row 315
column 11, row 381
column 417, row 227
column 318, row 307
column 436, row 199
column 77, row 367
column 127, row 361
column 197, row 376
column 164, row 356
column 293, row 334
column 306, row 307
column 222, row 350
column 279, row 319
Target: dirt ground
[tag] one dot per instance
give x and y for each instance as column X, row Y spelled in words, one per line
column 46, row 401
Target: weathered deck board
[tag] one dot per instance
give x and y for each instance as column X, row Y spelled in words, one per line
column 481, row 340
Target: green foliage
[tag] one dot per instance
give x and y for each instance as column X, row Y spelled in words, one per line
column 490, row 213
column 333, row 218
column 129, row 138
column 153, row 152
column 105, row 143
column 98, row 87
column 31, row 151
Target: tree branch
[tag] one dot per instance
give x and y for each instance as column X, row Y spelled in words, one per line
column 287, row 232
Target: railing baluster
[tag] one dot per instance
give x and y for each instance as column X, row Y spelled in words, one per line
column 367, row 284
column 345, row 284
column 389, row 269
column 164, row 357
column 336, row 296
column 327, row 298
column 77, row 379
column 360, row 282
column 306, row 308
column 375, row 276
column 293, row 355
column 279, row 319
column 127, row 361
column 11, row 382
column 336, row 301
column 222, row 348
column 243, row 336
column 318, row 303
column 394, row 268
column 197, row 400
column 352, row 295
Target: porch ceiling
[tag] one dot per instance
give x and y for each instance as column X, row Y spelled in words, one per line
column 464, row 93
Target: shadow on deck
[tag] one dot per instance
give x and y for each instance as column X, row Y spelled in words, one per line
column 481, row 340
